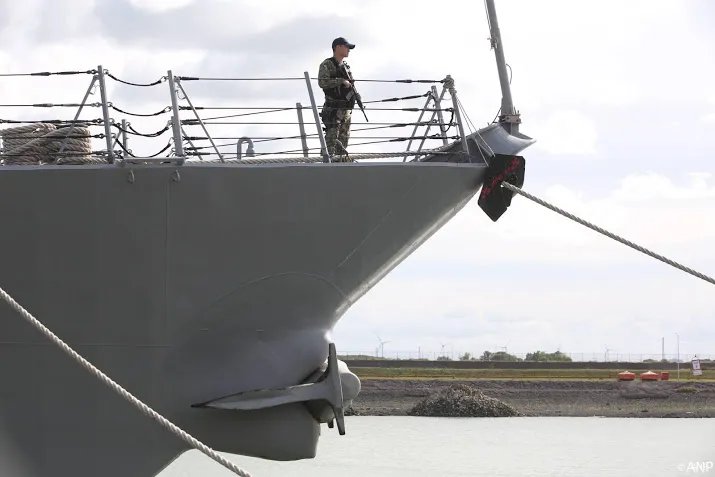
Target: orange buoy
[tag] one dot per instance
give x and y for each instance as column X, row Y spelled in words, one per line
column 626, row 376
column 649, row 376
column 664, row 376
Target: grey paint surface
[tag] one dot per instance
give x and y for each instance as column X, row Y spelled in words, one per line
column 226, row 280
column 191, row 283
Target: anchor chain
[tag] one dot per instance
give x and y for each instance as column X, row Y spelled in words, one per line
column 192, row 441
column 608, row 234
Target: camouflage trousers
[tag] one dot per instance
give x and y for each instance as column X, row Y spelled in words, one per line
column 338, row 129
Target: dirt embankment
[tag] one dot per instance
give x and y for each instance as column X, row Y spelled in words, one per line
column 551, row 398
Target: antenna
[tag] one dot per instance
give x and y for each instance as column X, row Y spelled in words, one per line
column 678, row 360
column 509, row 117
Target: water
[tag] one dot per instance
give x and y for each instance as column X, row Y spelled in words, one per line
column 508, row 447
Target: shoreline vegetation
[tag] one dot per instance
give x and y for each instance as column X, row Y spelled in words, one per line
column 587, row 374
column 450, row 392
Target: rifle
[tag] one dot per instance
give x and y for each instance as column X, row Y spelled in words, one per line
column 358, row 99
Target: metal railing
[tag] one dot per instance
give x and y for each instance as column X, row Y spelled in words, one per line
column 186, row 142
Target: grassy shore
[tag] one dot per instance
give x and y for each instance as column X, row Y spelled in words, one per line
column 543, row 392
column 516, row 374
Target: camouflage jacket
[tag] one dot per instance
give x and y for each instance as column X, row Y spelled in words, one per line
column 329, row 76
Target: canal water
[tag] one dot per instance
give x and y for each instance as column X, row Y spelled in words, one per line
column 485, row 447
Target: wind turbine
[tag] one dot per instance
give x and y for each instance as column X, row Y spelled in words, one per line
column 607, row 351
column 382, row 345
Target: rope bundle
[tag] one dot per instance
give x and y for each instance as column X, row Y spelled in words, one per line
column 40, row 144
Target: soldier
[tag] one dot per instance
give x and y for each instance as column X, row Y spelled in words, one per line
column 335, row 79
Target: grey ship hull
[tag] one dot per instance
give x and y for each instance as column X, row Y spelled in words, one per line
column 186, row 284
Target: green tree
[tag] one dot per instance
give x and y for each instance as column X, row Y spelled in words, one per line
column 498, row 356
column 543, row 356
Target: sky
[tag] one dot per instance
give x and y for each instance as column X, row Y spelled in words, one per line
column 619, row 96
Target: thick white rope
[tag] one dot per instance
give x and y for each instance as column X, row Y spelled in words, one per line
column 12, row 138
column 40, row 144
column 193, row 442
column 608, row 234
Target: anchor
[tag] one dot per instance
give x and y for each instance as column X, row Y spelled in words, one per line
column 328, row 388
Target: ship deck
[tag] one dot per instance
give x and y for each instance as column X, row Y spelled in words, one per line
column 200, row 271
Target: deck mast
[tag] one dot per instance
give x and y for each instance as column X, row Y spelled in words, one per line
column 509, row 116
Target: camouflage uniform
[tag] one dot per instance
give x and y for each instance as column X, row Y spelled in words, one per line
column 337, row 109
column 340, row 130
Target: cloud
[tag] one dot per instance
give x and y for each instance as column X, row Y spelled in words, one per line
column 566, row 132
column 158, row 6
column 481, row 312
column 555, row 83
column 709, row 118
column 269, row 28
column 539, row 280
column 599, row 91
column 649, row 209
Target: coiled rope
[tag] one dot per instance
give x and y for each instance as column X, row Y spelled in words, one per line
column 193, row 442
column 14, row 138
column 40, row 144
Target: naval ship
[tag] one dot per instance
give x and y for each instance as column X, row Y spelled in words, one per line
column 207, row 288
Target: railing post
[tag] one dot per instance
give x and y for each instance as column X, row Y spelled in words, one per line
column 458, row 115
column 125, row 136
column 198, row 118
column 438, row 101
column 301, row 126
column 105, row 113
column 440, row 116
column 175, row 119
column 323, row 146
column 414, row 130
column 79, row 111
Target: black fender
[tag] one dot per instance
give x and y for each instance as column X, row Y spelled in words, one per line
column 495, row 199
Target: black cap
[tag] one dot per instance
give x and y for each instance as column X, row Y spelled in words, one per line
column 342, row 41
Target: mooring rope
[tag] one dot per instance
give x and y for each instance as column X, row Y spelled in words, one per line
column 186, row 437
column 608, row 234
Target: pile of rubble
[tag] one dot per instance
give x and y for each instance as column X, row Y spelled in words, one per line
column 460, row 400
